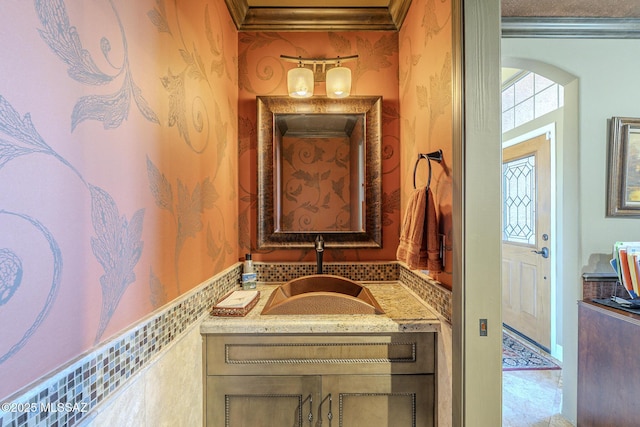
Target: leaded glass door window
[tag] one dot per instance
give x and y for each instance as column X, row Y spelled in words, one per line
column 519, row 200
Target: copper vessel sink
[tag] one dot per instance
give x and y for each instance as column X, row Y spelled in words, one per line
column 321, row 294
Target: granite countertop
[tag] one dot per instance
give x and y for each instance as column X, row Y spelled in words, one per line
column 404, row 312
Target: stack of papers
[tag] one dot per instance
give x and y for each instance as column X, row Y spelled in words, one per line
column 626, row 263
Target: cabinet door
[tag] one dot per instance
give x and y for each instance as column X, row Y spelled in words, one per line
column 379, row 400
column 261, row 401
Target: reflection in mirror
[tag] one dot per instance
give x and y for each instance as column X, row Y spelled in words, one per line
column 320, row 174
column 319, row 171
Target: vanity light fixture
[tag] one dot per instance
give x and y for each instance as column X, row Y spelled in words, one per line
column 300, row 80
column 338, row 82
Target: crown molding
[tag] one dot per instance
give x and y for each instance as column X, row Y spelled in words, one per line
column 247, row 18
column 600, row 28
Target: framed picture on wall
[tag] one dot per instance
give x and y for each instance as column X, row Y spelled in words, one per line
column 623, row 198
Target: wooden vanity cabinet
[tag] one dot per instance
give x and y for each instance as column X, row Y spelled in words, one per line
column 339, row 380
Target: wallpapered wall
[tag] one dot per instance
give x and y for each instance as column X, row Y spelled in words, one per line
column 261, row 72
column 425, row 66
column 122, row 185
column 118, row 168
column 411, row 70
column 317, row 176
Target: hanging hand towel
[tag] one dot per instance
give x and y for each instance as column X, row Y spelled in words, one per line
column 430, row 248
column 419, row 246
column 412, row 229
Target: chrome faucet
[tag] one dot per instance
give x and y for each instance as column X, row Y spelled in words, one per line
column 319, row 244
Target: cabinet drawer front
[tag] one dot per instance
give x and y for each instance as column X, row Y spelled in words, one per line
column 403, row 353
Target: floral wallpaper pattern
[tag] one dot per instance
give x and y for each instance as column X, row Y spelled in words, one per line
column 261, row 72
column 411, row 69
column 316, row 175
column 117, row 168
column 128, row 164
column 426, row 104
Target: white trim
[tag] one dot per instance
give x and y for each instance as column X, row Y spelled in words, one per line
column 550, row 128
column 570, row 27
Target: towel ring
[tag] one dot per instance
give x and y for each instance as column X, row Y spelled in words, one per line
column 435, row 156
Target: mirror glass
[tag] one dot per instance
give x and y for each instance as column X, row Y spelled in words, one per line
column 319, row 171
column 319, row 181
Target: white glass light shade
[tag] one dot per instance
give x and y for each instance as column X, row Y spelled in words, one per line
column 338, row 82
column 300, row 82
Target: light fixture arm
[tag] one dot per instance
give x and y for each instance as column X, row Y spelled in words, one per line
column 317, row 61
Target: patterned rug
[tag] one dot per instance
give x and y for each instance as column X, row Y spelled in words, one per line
column 518, row 356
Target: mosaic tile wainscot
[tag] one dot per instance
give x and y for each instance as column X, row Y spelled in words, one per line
column 72, row 395
column 69, row 395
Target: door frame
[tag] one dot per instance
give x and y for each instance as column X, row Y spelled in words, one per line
column 568, row 264
column 476, row 362
column 550, row 130
column 476, row 310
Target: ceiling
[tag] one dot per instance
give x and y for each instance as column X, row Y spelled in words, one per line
column 520, row 18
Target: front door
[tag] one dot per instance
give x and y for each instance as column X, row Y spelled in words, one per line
column 526, row 239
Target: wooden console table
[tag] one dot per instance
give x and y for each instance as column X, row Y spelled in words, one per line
column 608, row 366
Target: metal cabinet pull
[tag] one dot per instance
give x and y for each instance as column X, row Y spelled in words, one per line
column 329, row 414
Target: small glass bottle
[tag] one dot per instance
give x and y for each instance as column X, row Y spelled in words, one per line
column 248, row 264
column 249, row 276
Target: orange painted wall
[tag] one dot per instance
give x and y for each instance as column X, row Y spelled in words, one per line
column 118, row 169
column 425, row 50
column 261, row 72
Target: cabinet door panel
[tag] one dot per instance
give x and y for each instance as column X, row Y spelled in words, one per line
column 261, row 401
column 381, row 401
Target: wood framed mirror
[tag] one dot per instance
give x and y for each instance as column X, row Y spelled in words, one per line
column 319, row 171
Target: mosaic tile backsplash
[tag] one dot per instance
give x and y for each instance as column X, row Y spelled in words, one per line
column 282, row 272
column 431, row 292
column 67, row 396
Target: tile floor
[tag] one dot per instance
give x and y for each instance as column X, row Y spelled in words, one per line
column 532, row 399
